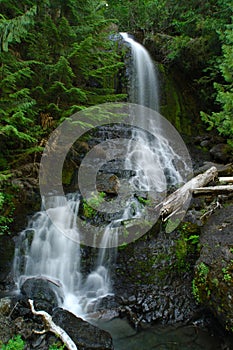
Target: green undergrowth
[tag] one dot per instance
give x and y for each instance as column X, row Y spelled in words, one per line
column 16, row 343
column 186, row 246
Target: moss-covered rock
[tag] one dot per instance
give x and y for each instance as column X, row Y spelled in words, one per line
column 213, row 281
column 178, row 102
column 154, row 276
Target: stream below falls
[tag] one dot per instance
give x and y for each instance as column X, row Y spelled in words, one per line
column 160, row 337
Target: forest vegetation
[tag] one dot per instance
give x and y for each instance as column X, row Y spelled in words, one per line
column 59, row 56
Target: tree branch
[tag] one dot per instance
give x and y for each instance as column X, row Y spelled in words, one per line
column 52, row 327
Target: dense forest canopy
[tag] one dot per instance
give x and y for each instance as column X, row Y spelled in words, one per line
column 57, row 57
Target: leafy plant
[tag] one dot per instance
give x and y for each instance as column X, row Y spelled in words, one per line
column 226, row 276
column 15, row 343
column 144, row 201
column 96, row 200
column 90, row 206
column 56, row 346
column 193, row 239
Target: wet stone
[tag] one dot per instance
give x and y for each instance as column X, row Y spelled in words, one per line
column 44, row 292
column 83, row 334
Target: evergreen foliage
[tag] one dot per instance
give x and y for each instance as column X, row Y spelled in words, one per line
column 56, row 58
column 12, row 30
column 223, row 120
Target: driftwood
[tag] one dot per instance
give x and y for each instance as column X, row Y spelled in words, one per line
column 211, row 209
column 178, row 202
column 52, row 327
column 227, row 179
column 213, row 190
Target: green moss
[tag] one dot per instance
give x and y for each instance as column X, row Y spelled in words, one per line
column 201, row 290
column 67, row 174
column 90, row 206
column 178, row 104
column 226, row 275
column 215, row 282
column 186, row 245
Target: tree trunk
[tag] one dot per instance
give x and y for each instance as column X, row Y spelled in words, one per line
column 177, row 203
column 213, row 190
column 227, row 179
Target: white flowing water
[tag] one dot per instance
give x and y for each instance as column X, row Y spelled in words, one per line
column 56, row 257
column 143, row 87
column 154, row 160
column 44, row 248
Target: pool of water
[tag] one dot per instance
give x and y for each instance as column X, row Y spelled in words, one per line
column 160, row 338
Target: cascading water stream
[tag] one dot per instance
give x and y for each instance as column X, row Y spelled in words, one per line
column 54, row 256
column 143, row 87
column 47, row 250
column 148, row 155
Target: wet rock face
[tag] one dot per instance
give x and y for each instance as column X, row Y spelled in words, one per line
column 45, row 293
column 27, row 198
column 84, row 335
column 153, row 280
column 6, row 329
column 7, row 254
column 213, row 282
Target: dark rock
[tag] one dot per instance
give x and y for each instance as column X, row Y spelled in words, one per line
column 153, row 284
column 5, row 306
column 24, row 327
column 223, row 169
column 221, row 153
column 81, row 147
column 84, row 335
column 45, row 293
column 7, row 255
column 108, row 183
column 7, row 330
column 205, row 143
column 27, row 197
column 213, row 283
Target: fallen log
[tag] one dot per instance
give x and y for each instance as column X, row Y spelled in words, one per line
column 227, row 179
column 177, row 203
column 224, row 189
column 52, row 327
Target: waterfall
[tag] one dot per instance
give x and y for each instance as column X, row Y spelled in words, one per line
column 149, row 157
column 143, row 87
column 46, row 247
column 53, row 255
